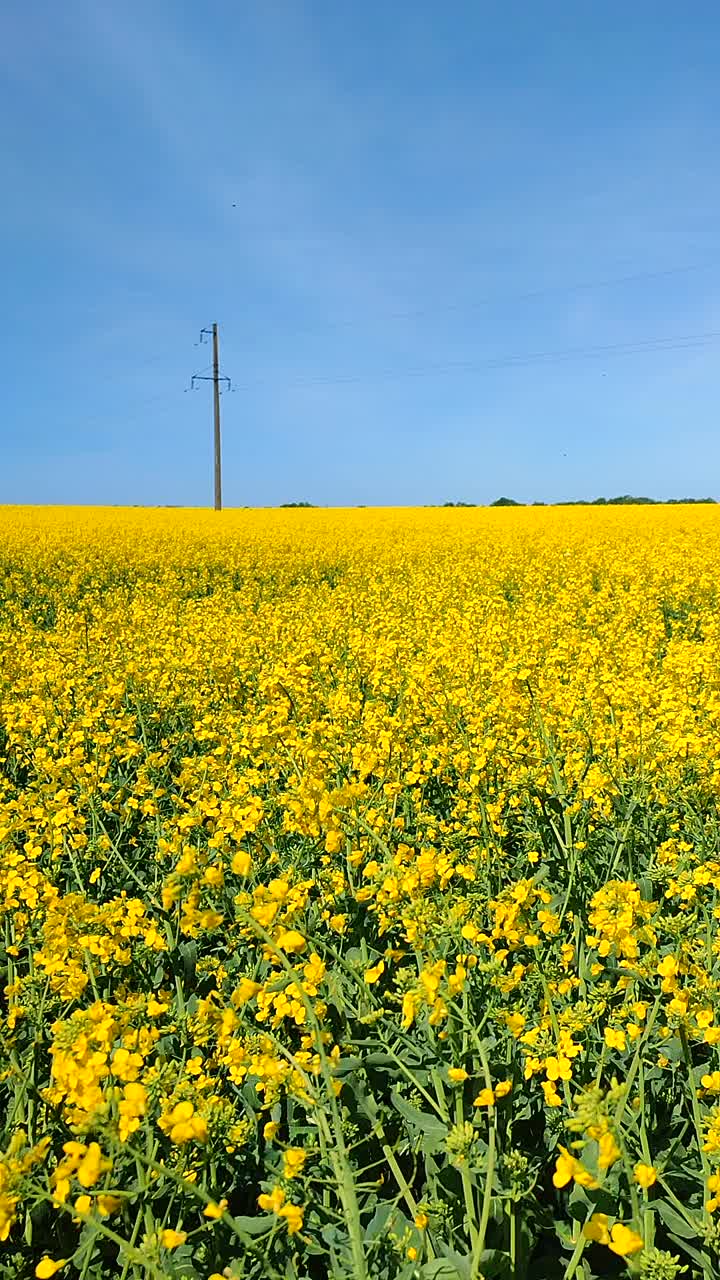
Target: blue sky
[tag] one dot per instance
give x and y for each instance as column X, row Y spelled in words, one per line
column 392, row 210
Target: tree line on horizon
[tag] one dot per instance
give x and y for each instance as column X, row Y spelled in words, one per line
column 624, row 500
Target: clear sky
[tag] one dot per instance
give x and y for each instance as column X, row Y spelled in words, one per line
column 412, row 222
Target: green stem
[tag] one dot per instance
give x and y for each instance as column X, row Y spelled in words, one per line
column 490, row 1171
column 338, row 1153
column 468, row 1198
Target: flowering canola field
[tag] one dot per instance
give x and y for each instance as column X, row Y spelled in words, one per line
column 359, row 879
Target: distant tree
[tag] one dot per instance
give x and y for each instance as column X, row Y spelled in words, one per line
column 623, row 500
column 627, row 500
column 297, row 504
column 689, row 501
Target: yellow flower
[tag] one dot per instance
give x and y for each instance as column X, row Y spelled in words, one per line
column 713, row 1185
column 503, row 1088
column 272, row 1203
column 106, row 1203
column 558, row 1067
column 61, row 1189
column 183, row 1124
column 456, row 1075
column 552, row 1097
column 564, row 1168
column 421, row 1220
column 170, row 1239
column 241, row 863
column 131, row 1107
column 291, row 941
column 615, row 1038
column 270, row 1130
column 92, row 1166
column 244, row 991
column 485, row 1098
column 645, row 1175
column 314, row 972
column 46, row 1267
column 214, row 1210
column 410, row 1004
column 293, row 1215
column 371, row 975
column 608, row 1151
column 624, row 1241
column 126, row 1065
column 597, row 1229
column 293, row 1161
column 569, row 1169
column 515, row 1023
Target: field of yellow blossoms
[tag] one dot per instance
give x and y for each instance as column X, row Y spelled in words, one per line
column 360, row 887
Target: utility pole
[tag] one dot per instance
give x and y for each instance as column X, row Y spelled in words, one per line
column 216, row 379
column 216, row 424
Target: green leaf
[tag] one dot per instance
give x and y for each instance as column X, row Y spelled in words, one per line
column 384, row 1218
column 701, row 1259
column 440, row 1269
column 674, row 1222
column 379, row 1060
column 454, row 1266
column 345, row 1066
column 255, row 1226
column 188, row 955
column 564, row 1234
column 672, row 1050
column 433, row 1128
column 494, row 1264
column 579, row 1204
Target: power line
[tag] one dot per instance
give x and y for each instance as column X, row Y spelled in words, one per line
column 680, row 342
column 451, row 307
column 582, row 286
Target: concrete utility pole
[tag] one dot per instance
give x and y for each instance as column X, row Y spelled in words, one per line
column 216, row 405
column 216, row 379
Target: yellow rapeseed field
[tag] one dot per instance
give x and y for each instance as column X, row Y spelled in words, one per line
column 359, row 878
